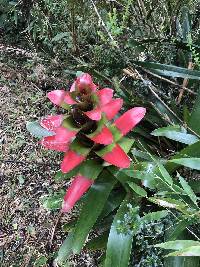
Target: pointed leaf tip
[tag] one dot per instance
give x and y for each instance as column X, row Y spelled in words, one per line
column 68, row 99
column 63, row 134
column 117, row 157
column 129, row 119
column 50, row 142
column 112, row 108
column 94, row 114
column 78, row 187
column 105, row 137
column 70, row 161
column 105, row 95
column 56, row 96
column 51, row 122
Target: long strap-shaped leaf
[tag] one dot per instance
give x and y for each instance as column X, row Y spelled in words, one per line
column 190, row 151
column 94, row 204
column 194, row 118
column 119, row 244
column 170, row 70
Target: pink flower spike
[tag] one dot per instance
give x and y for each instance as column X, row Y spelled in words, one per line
column 117, row 157
column 104, row 137
column 94, row 114
column 129, row 119
column 50, row 142
column 51, row 122
column 68, row 99
column 105, row 95
column 56, row 96
column 78, row 187
column 112, row 108
column 70, row 161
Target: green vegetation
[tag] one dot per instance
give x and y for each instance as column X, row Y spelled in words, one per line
column 147, row 215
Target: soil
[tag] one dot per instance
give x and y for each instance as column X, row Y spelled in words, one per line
column 27, row 171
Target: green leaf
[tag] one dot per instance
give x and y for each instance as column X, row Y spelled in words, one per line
column 38, row 131
column 141, row 154
column 189, row 151
column 137, row 189
column 168, row 203
column 98, row 242
column 154, row 216
column 195, row 115
column 54, row 201
column 114, row 200
column 178, row 228
column 79, row 148
column 126, row 143
column 181, row 261
column 170, row 70
column 60, row 36
column 119, row 244
column 193, row 163
column 146, row 173
column 41, row 261
column 142, row 175
column 165, row 174
column 176, row 133
column 193, row 251
column 93, row 206
column 195, row 185
column 65, row 250
column 178, row 244
column 67, row 227
column 90, row 169
column 187, row 189
column 60, row 176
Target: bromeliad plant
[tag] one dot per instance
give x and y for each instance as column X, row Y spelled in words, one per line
column 95, row 149
column 91, row 135
column 88, row 134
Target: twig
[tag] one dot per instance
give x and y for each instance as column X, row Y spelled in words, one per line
column 136, row 75
column 168, row 81
column 28, row 258
column 103, row 24
column 54, row 229
column 185, row 82
column 148, row 83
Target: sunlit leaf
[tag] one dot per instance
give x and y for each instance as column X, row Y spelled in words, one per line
column 176, row 133
column 193, row 163
column 193, row 251
column 137, row 189
column 170, row 70
column 188, row 190
column 154, row 216
column 119, row 244
column 94, row 203
column 38, row 131
column 178, row 244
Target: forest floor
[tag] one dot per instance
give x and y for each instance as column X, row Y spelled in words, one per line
column 27, row 236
